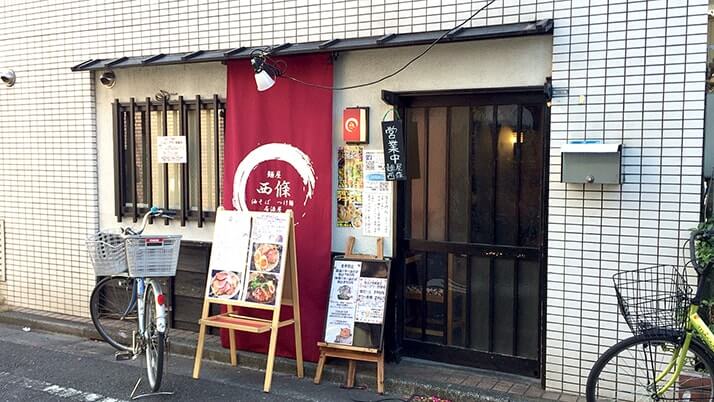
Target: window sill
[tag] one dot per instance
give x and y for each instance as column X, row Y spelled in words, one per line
column 208, row 216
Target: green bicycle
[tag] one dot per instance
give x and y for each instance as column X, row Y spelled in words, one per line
column 671, row 355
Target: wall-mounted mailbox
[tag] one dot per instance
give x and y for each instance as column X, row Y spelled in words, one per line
column 591, row 163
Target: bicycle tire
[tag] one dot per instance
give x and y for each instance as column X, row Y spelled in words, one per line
column 112, row 307
column 154, row 341
column 692, row 384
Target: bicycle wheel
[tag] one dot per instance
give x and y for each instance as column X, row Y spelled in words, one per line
column 113, row 310
column 627, row 370
column 154, row 341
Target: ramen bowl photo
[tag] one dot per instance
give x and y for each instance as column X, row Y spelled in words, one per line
column 224, row 284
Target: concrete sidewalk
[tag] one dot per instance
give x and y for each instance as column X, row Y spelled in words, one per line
column 409, row 377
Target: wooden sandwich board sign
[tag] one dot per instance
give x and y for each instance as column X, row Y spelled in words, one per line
column 253, row 264
column 354, row 327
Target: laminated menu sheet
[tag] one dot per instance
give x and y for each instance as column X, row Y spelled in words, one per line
column 357, row 300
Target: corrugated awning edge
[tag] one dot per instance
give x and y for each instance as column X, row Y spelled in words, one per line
column 333, row 45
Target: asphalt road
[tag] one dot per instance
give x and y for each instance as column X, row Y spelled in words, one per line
column 50, row 367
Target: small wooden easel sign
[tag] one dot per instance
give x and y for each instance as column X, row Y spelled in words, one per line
column 354, row 326
column 253, row 264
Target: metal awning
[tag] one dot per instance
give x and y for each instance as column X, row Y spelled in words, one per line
column 334, row 45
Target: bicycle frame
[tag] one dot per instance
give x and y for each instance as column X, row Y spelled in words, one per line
column 694, row 324
column 160, row 312
column 160, row 308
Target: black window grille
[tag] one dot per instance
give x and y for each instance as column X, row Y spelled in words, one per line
column 192, row 189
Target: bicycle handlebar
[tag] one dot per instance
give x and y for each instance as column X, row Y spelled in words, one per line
column 694, row 237
column 156, row 211
column 153, row 212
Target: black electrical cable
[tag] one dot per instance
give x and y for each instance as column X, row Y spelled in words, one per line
column 404, row 67
column 709, row 198
column 387, row 399
column 412, row 398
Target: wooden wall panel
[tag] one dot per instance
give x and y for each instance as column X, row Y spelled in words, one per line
column 189, row 285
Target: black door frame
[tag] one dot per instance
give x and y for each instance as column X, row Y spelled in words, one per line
column 395, row 342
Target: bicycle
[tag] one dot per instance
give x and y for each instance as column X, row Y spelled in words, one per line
column 128, row 306
column 671, row 353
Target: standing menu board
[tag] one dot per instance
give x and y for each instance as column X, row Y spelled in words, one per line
column 251, row 255
column 247, row 258
column 356, row 305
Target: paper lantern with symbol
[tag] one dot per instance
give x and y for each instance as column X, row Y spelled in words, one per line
column 355, row 125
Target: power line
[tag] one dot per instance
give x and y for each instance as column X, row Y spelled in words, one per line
column 404, row 67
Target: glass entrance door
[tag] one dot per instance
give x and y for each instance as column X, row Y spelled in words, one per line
column 473, row 275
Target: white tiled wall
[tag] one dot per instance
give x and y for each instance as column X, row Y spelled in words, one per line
column 634, row 71
column 635, row 75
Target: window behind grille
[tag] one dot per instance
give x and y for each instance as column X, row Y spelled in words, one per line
column 192, row 189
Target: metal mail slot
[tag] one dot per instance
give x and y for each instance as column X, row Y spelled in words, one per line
column 591, row 163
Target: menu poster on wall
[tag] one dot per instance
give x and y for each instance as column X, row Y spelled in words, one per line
column 394, row 150
column 377, row 197
column 171, row 149
column 376, row 210
column 358, row 295
column 373, row 166
column 227, row 264
column 350, row 182
column 349, row 166
column 247, row 257
column 349, row 208
column 342, row 304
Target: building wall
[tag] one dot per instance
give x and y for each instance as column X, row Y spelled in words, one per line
column 639, row 66
column 635, row 74
column 482, row 64
column 189, row 80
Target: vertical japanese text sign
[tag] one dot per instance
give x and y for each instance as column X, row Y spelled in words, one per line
column 395, row 158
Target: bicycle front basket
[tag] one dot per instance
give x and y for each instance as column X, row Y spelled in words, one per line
column 106, row 250
column 653, row 298
column 152, row 255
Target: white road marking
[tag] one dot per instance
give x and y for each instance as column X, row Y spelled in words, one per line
column 54, row 389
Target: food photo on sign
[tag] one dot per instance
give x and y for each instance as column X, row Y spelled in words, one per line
column 262, row 288
column 266, row 257
column 225, row 285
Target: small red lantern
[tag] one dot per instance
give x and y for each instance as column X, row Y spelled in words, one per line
column 355, row 125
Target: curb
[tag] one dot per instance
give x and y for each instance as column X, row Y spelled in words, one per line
column 333, row 372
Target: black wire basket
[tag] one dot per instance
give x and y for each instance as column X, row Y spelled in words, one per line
column 653, row 299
